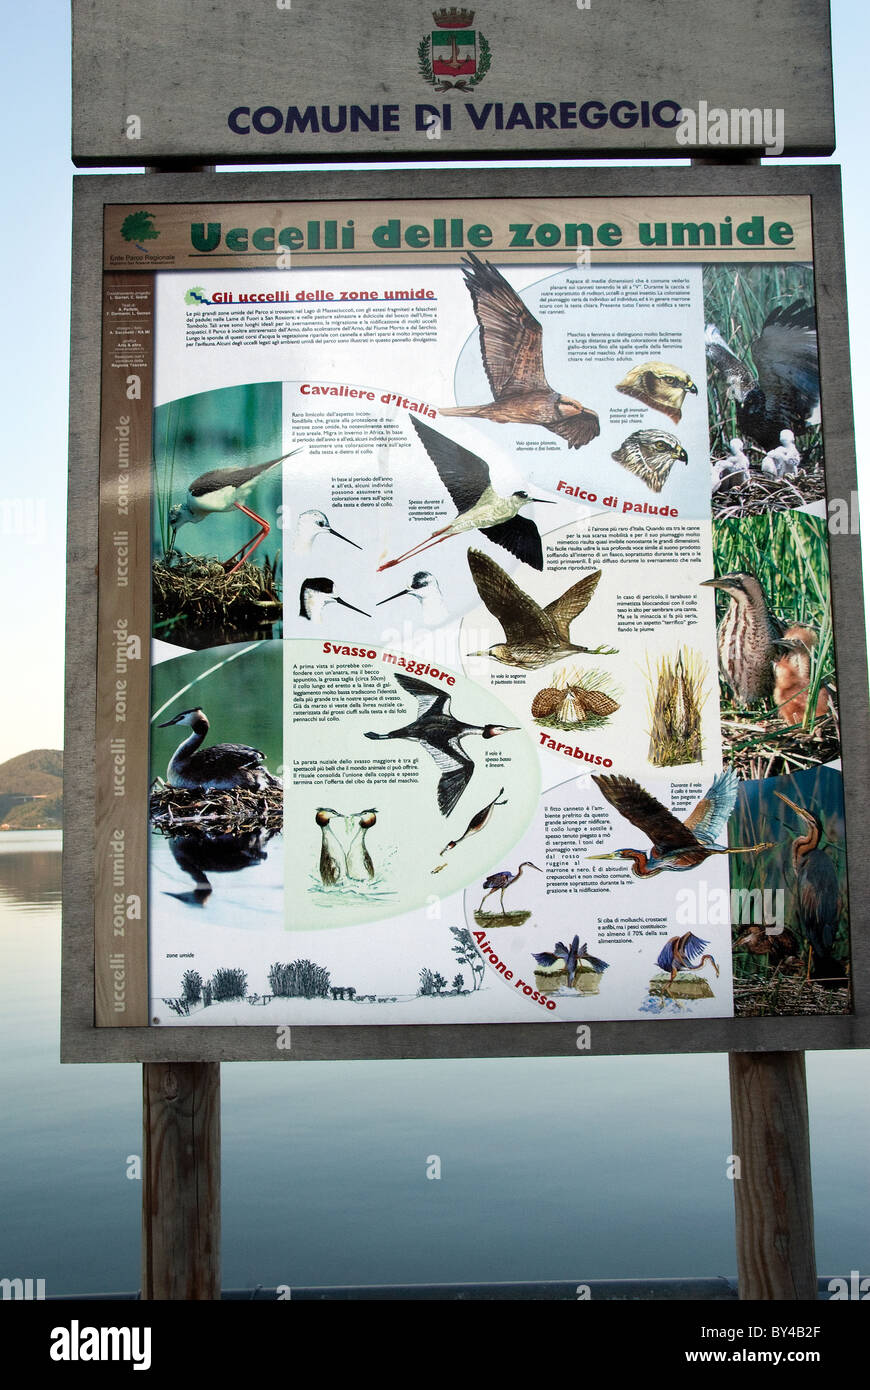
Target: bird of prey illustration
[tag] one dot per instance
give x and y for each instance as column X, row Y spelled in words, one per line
column 440, row 733
column 785, row 392
column 651, row 454
column 659, row 385
column 466, row 478
column 534, row 636
column 676, row 845
column 513, row 358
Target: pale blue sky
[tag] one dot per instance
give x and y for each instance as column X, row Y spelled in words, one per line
column 34, row 251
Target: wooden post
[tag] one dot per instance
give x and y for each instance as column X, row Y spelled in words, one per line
column 181, row 1215
column 773, row 1193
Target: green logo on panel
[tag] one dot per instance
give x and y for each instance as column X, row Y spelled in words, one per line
column 453, row 55
column 139, row 226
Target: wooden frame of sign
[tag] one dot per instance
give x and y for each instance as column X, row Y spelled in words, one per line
column 96, row 977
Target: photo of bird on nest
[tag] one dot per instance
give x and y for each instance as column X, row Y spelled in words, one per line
column 763, row 389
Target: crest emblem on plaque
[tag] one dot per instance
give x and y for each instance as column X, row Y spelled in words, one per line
column 453, row 54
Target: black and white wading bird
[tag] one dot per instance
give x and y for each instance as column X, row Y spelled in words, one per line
column 315, row 594
column 222, row 766
column 466, row 478
column 220, row 490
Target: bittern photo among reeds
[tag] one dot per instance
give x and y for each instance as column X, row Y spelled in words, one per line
column 776, row 643
column 676, row 692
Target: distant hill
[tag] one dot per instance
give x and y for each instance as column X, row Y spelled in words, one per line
column 38, row 774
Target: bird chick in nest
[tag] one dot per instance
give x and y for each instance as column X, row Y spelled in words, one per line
column 792, row 675
column 659, row 385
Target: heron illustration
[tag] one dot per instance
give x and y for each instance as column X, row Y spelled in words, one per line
column 676, row 845
column 818, row 899
column 498, row 883
column 685, row 952
column 466, row 478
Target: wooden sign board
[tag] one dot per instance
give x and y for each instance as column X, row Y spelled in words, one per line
column 280, row 82
column 418, row 518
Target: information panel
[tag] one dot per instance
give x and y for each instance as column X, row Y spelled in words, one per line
column 466, row 639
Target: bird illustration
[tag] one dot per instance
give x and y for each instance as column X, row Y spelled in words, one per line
column 749, row 637
column 220, row 490
column 651, row 454
column 480, row 819
column 440, row 733
column 310, row 525
column 676, row 845
column 534, row 636
column 783, row 461
column 358, row 860
column 569, row 954
column 333, row 863
column 777, row 947
column 785, row 393
column 513, row 358
column 425, row 588
column 497, row 883
column 792, row 677
column 315, row 594
column 466, row 478
column 818, row 899
column 732, row 471
column 683, row 953
column 222, row 766
column 660, row 386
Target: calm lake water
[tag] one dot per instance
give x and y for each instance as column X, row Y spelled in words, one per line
column 575, row 1168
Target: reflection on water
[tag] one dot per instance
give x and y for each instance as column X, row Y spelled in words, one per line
column 323, row 1164
column 30, row 868
column 218, row 853
column 249, row 892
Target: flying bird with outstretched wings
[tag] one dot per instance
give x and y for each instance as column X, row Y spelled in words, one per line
column 785, row 393
column 513, row 357
column 466, row 478
column 534, row 636
column 440, row 733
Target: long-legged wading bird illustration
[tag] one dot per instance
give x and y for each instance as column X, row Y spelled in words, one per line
column 651, row 454
column 785, row 393
column 220, row 490
column 749, row 637
column 572, row 955
column 685, row 952
column 818, row 899
column 440, row 733
column 676, row 845
column 466, row 478
column 513, row 358
column 534, row 636
column 222, row 766
column 659, row 385
column 497, row 883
